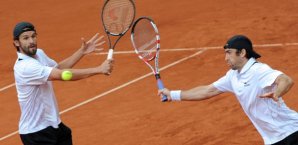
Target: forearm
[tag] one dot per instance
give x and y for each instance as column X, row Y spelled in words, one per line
column 284, row 84
column 71, row 61
column 76, row 74
column 197, row 94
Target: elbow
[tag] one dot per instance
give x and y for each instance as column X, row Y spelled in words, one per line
column 291, row 82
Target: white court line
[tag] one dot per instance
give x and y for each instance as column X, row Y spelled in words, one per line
column 180, row 49
column 199, row 48
column 117, row 88
column 291, row 44
column 6, row 87
column 164, row 50
column 129, row 52
column 9, row 135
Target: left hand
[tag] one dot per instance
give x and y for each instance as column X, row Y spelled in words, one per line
column 271, row 95
column 93, row 44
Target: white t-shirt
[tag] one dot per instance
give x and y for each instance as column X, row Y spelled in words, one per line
column 36, row 96
column 273, row 122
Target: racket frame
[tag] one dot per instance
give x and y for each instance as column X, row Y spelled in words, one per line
column 112, row 47
column 154, row 69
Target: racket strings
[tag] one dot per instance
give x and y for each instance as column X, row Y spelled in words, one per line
column 147, row 51
column 118, row 15
column 145, row 40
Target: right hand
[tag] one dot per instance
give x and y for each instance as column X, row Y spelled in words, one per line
column 165, row 92
column 106, row 67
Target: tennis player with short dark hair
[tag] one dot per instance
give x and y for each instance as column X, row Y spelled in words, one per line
column 40, row 123
column 259, row 89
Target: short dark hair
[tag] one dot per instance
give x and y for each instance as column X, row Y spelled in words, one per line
column 247, row 55
column 21, row 28
column 240, row 42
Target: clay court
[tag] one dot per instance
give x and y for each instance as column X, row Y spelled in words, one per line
column 124, row 109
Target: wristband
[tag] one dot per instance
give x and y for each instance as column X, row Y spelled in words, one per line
column 176, row 95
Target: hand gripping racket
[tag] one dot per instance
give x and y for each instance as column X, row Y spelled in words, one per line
column 117, row 17
column 146, row 42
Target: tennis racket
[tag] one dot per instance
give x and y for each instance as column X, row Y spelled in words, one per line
column 117, row 17
column 146, row 42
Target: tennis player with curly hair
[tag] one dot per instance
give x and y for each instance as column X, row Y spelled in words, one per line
column 258, row 88
column 34, row 72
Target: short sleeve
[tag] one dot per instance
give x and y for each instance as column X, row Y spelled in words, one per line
column 224, row 83
column 50, row 62
column 35, row 74
column 267, row 76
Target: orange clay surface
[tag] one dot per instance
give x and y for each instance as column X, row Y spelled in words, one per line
column 133, row 114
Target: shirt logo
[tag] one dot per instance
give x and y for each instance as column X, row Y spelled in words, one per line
column 246, row 84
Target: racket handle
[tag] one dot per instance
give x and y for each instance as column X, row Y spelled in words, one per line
column 160, row 87
column 110, row 54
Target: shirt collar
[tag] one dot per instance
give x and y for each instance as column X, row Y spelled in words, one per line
column 248, row 65
column 22, row 56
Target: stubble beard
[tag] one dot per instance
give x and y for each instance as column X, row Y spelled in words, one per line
column 30, row 50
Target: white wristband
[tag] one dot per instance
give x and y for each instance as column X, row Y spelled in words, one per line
column 176, row 95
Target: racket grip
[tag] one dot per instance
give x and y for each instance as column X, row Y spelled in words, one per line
column 110, row 54
column 160, row 87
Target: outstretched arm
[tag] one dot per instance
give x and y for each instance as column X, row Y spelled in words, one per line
column 87, row 47
column 76, row 74
column 195, row 94
column 284, row 84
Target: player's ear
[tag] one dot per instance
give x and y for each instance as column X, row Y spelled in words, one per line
column 243, row 52
column 16, row 43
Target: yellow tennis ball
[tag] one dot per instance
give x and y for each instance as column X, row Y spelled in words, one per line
column 66, row 75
